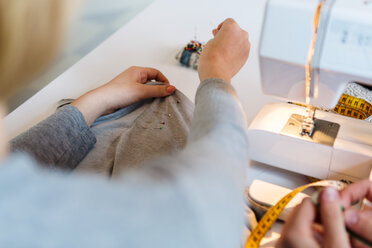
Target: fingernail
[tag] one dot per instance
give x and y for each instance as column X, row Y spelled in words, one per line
column 330, row 194
column 170, row 89
column 351, row 217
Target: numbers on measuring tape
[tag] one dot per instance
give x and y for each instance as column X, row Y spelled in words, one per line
column 353, row 107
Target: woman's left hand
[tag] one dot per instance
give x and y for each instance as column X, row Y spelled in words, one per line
column 127, row 88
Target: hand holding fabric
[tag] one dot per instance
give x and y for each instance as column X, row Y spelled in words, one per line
column 125, row 89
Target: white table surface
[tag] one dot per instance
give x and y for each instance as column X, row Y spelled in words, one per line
column 153, row 38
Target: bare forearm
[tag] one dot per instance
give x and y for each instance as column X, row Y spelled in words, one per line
column 92, row 105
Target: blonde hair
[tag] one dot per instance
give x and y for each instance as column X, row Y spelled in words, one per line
column 30, row 34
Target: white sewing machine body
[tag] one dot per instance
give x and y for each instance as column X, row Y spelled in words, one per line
column 342, row 148
column 343, row 51
column 348, row 158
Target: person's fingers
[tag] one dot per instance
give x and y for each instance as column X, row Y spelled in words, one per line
column 367, row 207
column 225, row 54
column 360, row 222
column 149, row 91
column 220, row 25
column 357, row 191
column 299, row 224
column 303, row 215
column 148, row 74
column 318, row 232
column 224, row 24
column 332, row 219
column 215, row 31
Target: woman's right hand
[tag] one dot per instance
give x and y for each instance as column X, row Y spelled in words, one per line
column 359, row 222
column 299, row 229
column 226, row 53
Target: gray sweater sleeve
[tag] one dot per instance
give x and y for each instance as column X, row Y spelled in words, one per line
column 217, row 151
column 61, row 140
column 191, row 199
column 198, row 193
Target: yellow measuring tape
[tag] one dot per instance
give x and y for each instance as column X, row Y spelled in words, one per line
column 259, row 232
column 353, row 107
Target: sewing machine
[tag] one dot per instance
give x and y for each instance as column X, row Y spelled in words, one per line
column 338, row 147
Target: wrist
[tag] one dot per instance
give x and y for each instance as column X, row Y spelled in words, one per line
column 206, row 76
column 100, row 99
column 213, row 71
column 92, row 105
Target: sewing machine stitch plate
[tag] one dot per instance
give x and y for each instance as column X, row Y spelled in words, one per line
column 325, row 132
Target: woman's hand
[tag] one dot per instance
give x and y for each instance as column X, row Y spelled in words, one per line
column 359, row 222
column 127, row 88
column 301, row 229
column 226, row 53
